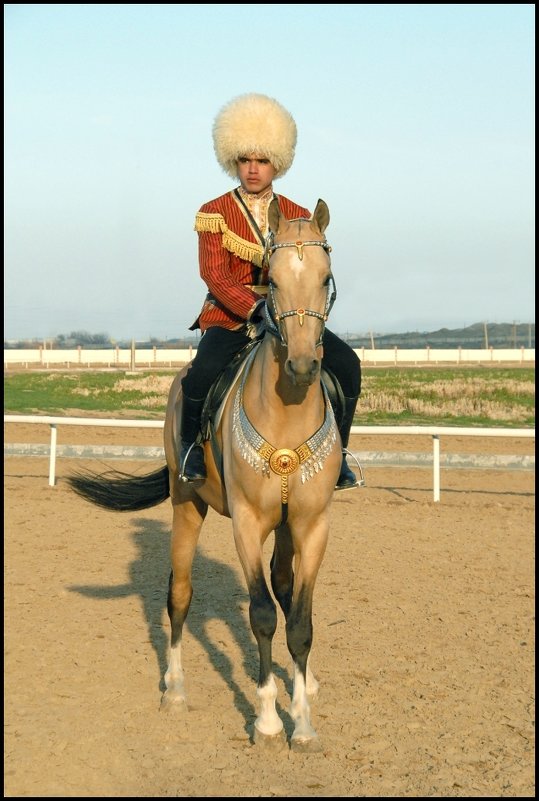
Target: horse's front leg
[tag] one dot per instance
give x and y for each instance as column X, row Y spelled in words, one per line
column 188, row 517
column 269, row 730
column 310, row 544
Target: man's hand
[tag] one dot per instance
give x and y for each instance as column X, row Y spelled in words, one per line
column 255, row 324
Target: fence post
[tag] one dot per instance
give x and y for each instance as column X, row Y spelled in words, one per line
column 52, row 460
column 436, row 466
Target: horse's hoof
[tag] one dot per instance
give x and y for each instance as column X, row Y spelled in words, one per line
column 270, row 742
column 173, row 701
column 310, row 746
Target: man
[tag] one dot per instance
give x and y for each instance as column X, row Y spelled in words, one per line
column 254, row 140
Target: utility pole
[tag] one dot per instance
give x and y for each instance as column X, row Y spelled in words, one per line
column 486, row 336
column 372, row 341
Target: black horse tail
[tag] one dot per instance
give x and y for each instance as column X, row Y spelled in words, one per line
column 121, row 491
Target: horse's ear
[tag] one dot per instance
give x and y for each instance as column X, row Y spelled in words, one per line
column 274, row 215
column 321, row 215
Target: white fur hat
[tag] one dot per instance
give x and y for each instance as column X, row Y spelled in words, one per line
column 258, row 124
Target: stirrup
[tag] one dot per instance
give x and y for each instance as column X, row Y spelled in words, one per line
column 359, row 482
column 183, row 475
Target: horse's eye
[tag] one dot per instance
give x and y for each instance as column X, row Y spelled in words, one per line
column 328, row 279
column 272, row 283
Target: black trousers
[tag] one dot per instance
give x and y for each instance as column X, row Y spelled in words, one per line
column 217, row 346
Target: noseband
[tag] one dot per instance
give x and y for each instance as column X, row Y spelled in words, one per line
column 273, row 319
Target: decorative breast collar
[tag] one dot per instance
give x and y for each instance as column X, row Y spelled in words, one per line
column 261, row 455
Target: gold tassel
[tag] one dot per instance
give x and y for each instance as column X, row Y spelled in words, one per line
column 215, row 224
column 249, row 251
column 210, row 223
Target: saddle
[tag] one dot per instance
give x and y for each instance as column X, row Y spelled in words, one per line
column 219, row 389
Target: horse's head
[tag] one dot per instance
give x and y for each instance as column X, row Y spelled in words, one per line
column 301, row 288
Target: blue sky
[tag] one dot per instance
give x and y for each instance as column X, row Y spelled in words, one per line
column 415, row 125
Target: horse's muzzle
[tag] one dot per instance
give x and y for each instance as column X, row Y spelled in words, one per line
column 303, row 372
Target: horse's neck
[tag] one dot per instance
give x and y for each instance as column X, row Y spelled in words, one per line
column 273, row 404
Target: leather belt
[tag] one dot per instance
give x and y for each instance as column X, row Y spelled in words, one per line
column 260, row 289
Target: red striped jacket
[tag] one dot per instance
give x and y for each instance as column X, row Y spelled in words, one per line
column 230, row 260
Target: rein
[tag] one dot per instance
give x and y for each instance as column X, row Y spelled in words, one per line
column 272, row 318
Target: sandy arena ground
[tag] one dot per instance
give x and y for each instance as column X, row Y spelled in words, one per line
column 424, row 640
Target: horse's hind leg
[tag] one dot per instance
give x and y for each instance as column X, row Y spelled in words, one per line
column 281, row 569
column 187, row 520
column 282, row 582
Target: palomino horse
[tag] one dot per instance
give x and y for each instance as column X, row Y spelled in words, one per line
column 272, row 466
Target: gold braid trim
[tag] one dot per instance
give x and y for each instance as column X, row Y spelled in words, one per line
column 215, row 224
column 248, row 251
column 210, row 223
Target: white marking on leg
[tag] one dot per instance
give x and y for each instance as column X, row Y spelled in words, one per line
column 174, row 678
column 300, row 709
column 312, row 684
column 268, row 722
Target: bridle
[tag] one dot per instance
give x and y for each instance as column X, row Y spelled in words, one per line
column 272, row 317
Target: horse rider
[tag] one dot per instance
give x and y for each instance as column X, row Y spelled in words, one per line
column 254, row 139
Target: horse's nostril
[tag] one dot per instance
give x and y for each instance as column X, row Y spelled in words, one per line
column 302, row 371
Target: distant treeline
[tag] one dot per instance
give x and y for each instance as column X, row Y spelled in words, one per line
column 478, row 335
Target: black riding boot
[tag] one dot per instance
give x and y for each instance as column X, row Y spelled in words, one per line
column 347, row 479
column 192, row 467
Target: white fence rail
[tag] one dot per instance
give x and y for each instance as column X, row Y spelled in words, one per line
column 121, row 358
column 434, row 431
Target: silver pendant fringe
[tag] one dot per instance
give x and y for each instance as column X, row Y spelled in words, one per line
column 257, row 451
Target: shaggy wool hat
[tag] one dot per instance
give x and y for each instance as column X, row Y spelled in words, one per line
column 258, row 124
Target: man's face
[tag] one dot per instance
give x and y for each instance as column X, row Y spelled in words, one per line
column 255, row 173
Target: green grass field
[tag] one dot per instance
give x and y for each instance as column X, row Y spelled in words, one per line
column 460, row 396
